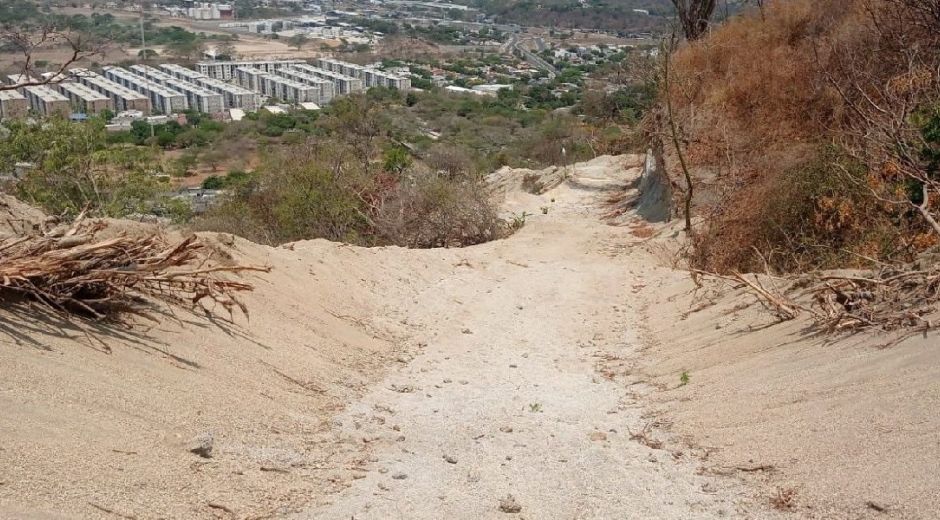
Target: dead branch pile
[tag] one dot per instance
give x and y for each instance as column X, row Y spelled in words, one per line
column 73, row 272
column 895, row 298
column 888, row 300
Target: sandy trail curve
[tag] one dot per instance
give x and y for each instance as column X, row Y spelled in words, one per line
column 509, row 394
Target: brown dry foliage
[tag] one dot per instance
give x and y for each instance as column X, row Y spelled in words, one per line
column 768, row 106
column 76, row 271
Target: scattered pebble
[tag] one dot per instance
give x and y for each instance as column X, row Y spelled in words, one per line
column 505, row 429
column 202, row 445
column 509, row 505
column 450, row 459
column 399, row 476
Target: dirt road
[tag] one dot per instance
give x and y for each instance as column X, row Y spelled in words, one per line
column 514, row 390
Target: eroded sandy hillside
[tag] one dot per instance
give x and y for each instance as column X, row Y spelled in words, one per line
column 534, row 377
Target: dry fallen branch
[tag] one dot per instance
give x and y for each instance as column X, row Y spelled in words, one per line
column 782, row 307
column 895, row 298
column 888, row 300
column 73, row 272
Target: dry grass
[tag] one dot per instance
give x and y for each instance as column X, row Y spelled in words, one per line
column 784, row 499
column 768, row 107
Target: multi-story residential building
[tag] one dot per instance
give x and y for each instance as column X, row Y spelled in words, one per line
column 324, row 87
column 279, row 87
column 18, row 79
column 13, row 104
column 162, row 99
column 371, row 77
column 198, row 97
column 122, row 98
column 181, row 72
column 250, row 78
column 225, row 70
column 45, row 101
column 84, row 98
column 342, row 84
column 232, row 95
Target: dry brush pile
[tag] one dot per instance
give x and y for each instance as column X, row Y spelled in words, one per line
column 72, row 271
column 902, row 300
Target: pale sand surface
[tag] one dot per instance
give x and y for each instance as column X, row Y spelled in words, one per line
column 388, row 383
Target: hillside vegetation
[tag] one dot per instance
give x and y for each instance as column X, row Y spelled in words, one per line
column 813, row 133
column 608, row 15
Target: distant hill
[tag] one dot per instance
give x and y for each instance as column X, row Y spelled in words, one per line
column 610, row 15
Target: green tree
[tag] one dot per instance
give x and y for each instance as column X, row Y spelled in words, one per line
column 298, row 41
column 73, row 169
column 397, row 160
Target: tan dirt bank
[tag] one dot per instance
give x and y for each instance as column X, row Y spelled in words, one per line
column 534, row 377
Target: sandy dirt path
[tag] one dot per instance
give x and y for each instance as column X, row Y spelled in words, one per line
column 507, row 395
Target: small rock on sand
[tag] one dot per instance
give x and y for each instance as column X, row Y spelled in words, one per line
column 202, row 445
column 509, row 505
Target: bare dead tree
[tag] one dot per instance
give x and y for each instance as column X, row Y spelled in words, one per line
column 694, row 16
column 28, row 41
column 667, row 49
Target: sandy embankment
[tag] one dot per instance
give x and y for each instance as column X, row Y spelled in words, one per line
column 386, row 383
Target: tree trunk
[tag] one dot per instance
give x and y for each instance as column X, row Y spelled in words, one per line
column 694, row 16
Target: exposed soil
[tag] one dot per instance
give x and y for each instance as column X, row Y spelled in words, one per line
column 565, row 372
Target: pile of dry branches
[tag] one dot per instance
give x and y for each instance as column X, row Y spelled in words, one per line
column 896, row 298
column 73, row 272
column 888, row 300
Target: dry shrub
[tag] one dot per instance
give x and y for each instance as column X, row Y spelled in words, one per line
column 435, row 211
column 322, row 190
column 768, row 107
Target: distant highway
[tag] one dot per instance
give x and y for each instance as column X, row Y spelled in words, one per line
column 534, row 59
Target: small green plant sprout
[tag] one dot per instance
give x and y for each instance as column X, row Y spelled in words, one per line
column 518, row 221
column 684, row 378
column 535, row 407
